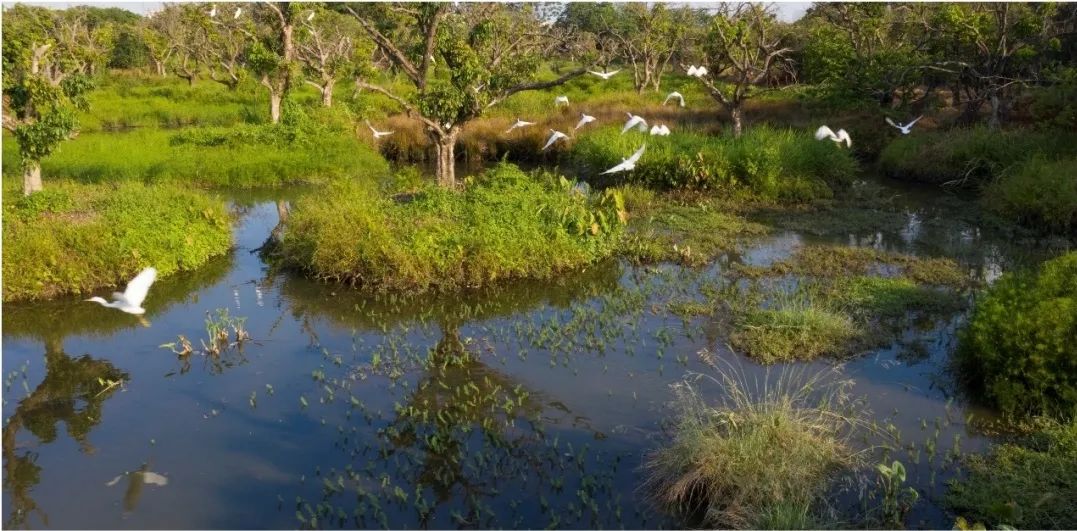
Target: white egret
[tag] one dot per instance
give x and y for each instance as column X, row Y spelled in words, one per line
column 672, row 95
column 665, row 130
column 634, row 121
column 825, row 132
column 557, row 135
column 629, row 163
column 519, row 123
column 213, row 11
column 660, row 130
column 561, row 100
column 130, row 300
column 239, row 11
column 604, row 75
column 584, row 120
column 310, row 17
column 696, row 71
column 905, row 128
column 378, row 134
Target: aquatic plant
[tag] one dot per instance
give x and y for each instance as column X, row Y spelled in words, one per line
column 1040, row 193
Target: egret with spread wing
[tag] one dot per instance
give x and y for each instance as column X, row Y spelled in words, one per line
column 130, row 300
column 634, row 121
column 378, row 134
column 519, row 123
column 629, row 163
column 825, row 132
column 604, row 75
column 557, row 135
column 561, row 100
column 672, row 95
column 584, row 120
column 905, row 128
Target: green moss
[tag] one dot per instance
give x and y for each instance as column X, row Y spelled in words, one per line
column 505, row 224
column 1019, row 350
column 1031, row 484
column 74, row 238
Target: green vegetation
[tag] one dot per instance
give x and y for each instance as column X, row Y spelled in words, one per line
column 1019, row 351
column 830, row 261
column 1028, row 484
column 793, row 329
column 891, row 298
column 771, row 164
column 1038, row 193
column 766, row 454
column 75, row 238
column 506, row 224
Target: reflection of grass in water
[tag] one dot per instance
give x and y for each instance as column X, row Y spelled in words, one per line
column 765, row 454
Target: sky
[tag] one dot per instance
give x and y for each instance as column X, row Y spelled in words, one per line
column 787, row 11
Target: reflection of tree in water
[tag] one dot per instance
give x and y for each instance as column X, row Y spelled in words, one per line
column 71, row 393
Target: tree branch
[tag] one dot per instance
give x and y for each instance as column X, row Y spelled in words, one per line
column 538, row 85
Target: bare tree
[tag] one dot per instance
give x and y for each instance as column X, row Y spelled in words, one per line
column 325, row 46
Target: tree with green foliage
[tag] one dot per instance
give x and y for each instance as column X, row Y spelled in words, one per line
column 227, row 39
column 742, row 48
column 460, row 61
column 272, row 56
column 327, row 47
column 650, row 37
column 43, row 86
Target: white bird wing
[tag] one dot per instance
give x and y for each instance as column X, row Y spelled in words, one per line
column 611, row 74
column 553, row 138
column 691, row 70
column 139, row 286
column 655, row 130
column 701, row 71
column 914, row 121
column 891, row 122
column 824, row 132
column 635, row 156
column 617, row 168
column 843, row 136
column 632, row 122
column 665, row 130
column 599, row 74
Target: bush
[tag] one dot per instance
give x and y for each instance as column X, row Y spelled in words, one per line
column 1026, row 485
column 969, row 157
column 773, row 164
column 1039, row 193
column 1020, row 347
column 74, row 238
column 505, row 224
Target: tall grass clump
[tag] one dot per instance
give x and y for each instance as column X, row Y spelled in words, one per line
column 795, row 327
column 765, row 454
column 1039, row 193
column 773, row 164
column 505, row 224
column 74, row 238
column 969, row 157
column 125, row 101
column 1019, row 350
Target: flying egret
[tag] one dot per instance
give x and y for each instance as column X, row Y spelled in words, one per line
column 561, row 100
column 378, row 134
column 584, row 120
column 665, row 130
column 310, row 17
column 672, row 95
column 633, row 121
column 130, row 300
column 557, row 135
column 905, row 128
column 629, row 163
column 213, row 11
column 825, row 132
column 239, row 11
column 696, row 71
column 604, row 75
column 660, row 130
column 519, row 123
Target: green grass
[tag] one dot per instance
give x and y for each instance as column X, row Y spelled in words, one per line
column 794, row 328
column 1039, row 193
column 892, row 298
column 1029, row 484
column 769, row 163
column 505, row 224
column 1019, row 350
column 831, row 261
column 763, row 456
column 76, row 238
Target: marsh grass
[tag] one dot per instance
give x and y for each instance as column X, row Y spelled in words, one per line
column 1040, row 194
column 794, row 327
column 833, row 261
column 764, row 455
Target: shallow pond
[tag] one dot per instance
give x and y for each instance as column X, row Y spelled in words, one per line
column 358, row 411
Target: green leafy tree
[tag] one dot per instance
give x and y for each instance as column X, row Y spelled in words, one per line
column 327, row 49
column 228, row 36
column 43, row 85
column 272, row 56
column 650, row 36
column 459, row 60
column 743, row 46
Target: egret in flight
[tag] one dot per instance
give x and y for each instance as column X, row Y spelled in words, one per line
column 672, row 95
column 378, row 134
column 310, row 17
column 633, row 121
column 239, row 11
column 905, row 128
column 519, row 123
column 697, row 71
column 557, row 135
column 561, row 100
column 629, row 163
column 825, row 132
column 213, row 11
column 130, row 300
column 584, row 120
column 660, row 130
column 604, row 75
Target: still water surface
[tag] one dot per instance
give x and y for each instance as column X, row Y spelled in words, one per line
column 349, row 410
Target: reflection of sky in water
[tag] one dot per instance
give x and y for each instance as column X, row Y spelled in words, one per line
column 593, row 352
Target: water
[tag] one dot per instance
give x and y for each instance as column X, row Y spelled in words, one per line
column 347, row 409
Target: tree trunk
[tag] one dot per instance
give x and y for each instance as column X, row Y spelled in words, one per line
column 274, row 106
column 327, row 93
column 282, row 217
column 160, row 67
column 995, row 120
column 31, row 177
column 736, row 113
column 444, row 147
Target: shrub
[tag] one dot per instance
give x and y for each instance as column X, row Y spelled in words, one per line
column 74, row 238
column 1039, row 193
column 1020, row 347
column 770, row 163
column 1031, row 484
column 505, row 224
column 765, row 454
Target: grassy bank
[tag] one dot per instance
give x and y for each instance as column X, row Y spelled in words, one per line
column 77, row 238
column 768, row 163
column 505, row 224
column 1019, row 350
